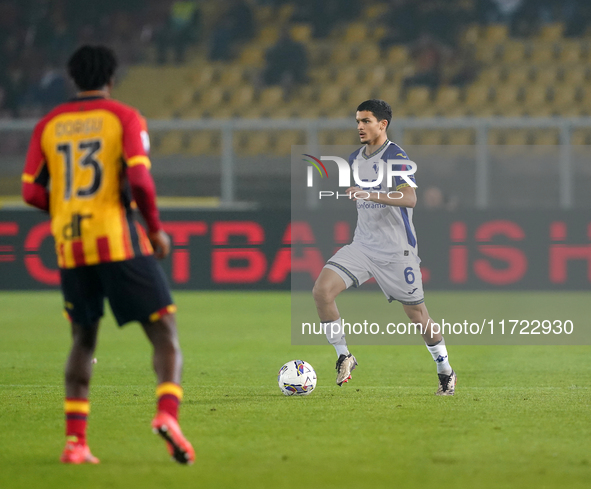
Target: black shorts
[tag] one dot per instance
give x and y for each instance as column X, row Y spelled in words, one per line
column 137, row 290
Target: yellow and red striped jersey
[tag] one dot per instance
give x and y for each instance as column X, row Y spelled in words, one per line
column 81, row 149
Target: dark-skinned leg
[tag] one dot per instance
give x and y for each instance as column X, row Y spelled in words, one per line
column 79, row 364
column 167, row 360
column 168, row 363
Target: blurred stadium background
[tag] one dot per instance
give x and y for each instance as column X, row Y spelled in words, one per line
column 229, row 86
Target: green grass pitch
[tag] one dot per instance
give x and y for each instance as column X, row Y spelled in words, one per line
column 520, row 417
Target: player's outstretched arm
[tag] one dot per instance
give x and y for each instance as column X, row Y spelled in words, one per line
column 405, row 197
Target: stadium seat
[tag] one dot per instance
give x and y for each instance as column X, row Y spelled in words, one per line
column 490, row 75
column 546, row 75
column 460, row 136
column 545, row 137
column 477, row 96
column 397, row 56
column 170, row 143
column 564, row 96
column 367, row 54
column 418, row 97
column 285, row 140
column 268, row 34
column 271, row 97
column 241, row 96
column 581, row 137
column 551, row 32
column 486, row 52
column 347, row 76
column 575, row 75
column 506, row 96
column 496, row 33
column 251, row 143
column 231, row 76
column 211, row 97
column 329, row 97
column 203, row 143
column 513, row 52
column 446, row 98
column 357, row 95
column 518, row 75
column 355, row 32
column 542, row 53
column 570, row 52
column 535, row 96
column 301, row 32
column 202, row 77
column 375, row 76
column 341, row 54
column 252, row 56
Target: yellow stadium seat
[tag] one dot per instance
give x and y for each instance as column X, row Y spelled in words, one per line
column 564, row 96
column 447, row 97
column 506, row 96
column 552, row 32
column 268, row 35
column 301, row 32
column 516, row 137
column 182, row 98
column 397, row 55
column 461, row 137
column 486, row 52
column 545, row 136
column 368, row 54
column 271, row 97
column 389, row 93
column 347, row 76
column 431, row 137
column 575, row 75
column 202, row 76
column 285, row 140
column 346, row 137
column 241, row 96
column 203, row 143
column 375, row 76
column 418, row 97
column 513, row 52
column 357, row 95
column 329, row 97
column 535, row 96
column 570, row 52
column 252, row 143
column 285, row 12
column 170, row 143
column 496, row 33
column 543, row 53
column 470, row 35
column 252, row 56
column 546, row 75
column 375, row 10
column 341, row 54
column 211, row 97
column 581, row 137
column 477, row 96
column 356, row 32
column 518, row 75
column 490, row 75
column 232, row 76
column 322, row 74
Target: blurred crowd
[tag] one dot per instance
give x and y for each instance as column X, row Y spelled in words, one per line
column 37, row 36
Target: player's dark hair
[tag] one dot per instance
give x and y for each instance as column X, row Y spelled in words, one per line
column 380, row 109
column 92, row 67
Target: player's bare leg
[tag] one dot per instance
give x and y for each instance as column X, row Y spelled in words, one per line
column 436, row 345
column 78, row 374
column 168, row 364
column 326, row 289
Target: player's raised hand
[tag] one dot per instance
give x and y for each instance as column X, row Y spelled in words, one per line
column 161, row 244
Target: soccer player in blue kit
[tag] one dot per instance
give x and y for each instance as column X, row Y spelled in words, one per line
column 384, row 247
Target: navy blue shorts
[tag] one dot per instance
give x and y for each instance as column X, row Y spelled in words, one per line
column 137, row 290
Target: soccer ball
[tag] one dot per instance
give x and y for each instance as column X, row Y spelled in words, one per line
column 297, row 378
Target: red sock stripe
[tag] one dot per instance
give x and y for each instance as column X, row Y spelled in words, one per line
column 169, row 403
